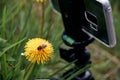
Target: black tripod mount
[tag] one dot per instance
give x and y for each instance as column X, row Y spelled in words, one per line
column 72, row 12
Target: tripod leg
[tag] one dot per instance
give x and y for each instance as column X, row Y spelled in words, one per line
column 81, row 58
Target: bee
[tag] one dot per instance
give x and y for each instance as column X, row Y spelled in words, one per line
column 42, row 46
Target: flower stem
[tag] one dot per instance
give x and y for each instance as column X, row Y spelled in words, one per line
column 29, row 70
column 42, row 21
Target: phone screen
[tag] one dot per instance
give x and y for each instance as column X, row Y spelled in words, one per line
column 96, row 26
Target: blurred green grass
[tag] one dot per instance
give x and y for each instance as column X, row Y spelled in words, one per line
column 21, row 20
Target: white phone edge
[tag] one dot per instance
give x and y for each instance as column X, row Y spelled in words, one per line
column 109, row 22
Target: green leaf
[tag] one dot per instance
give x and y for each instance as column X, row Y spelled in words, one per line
column 11, row 46
column 9, row 58
column 2, row 42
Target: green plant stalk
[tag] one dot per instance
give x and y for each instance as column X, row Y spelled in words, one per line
column 29, row 71
column 43, row 18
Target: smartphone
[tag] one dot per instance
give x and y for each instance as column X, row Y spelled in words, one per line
column 55, row 5
column 98, row 15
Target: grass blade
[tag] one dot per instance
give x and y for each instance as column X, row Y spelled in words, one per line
column 78, row 72
column 4, row 18
column 4, row 66
column 11, row 46
column 61, row 69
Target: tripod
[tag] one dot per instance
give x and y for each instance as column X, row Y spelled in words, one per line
column 72, row 12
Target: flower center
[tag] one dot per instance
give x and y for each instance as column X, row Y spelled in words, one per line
column 41, row 46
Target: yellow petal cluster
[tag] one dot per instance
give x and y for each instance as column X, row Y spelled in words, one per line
column 38, row 50
column 40, row 1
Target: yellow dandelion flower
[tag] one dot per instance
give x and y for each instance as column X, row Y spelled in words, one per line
column 38, row 50
column 40, row 1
